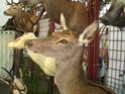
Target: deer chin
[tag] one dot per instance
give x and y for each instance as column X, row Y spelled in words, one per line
column 47, row 64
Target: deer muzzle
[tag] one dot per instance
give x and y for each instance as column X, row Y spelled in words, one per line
column 47, row 64
column 5, row 13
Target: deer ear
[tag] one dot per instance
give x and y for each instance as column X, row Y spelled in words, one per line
column 63, row 22
column 89, row 33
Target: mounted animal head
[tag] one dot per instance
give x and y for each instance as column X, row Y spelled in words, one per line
column 16, row 84
column 14, row 9
column 115, row 15
column 23, row 21
column 60, row 55
column 59, row 48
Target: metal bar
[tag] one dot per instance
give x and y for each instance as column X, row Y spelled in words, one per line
column 52, row 28
column 96, row 42
column 90, row 50
column 93, row 48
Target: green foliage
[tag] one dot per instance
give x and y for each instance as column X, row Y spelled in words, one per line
column 31, row 81
column 31, row 6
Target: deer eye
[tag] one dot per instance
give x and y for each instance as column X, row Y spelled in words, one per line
column 63, row 41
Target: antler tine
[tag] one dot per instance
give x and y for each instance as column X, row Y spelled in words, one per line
column 15, row 2
column 8, row 73
column 8, row 3
column 12, row 1
column 18, row 2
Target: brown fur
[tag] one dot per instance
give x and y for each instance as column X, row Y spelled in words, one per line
column 112, row 1
column 21, row 20
column 75, row 13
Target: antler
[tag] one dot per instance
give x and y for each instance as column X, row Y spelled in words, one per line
column 8, row 73
column 6, row 81
column 8, row 3
column 16, row 3
column 12, row 2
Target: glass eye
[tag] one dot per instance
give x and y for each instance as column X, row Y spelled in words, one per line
column 63, row 41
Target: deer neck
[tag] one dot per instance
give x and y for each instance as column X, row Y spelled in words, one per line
column 71, row 75
column 16, row 18
column 19, row 17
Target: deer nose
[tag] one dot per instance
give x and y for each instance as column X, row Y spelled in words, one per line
column 29, row 43
column 5, row 13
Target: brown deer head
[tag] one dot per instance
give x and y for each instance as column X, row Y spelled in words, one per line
column 23, row 21
column 60, row 54
column 59, row 47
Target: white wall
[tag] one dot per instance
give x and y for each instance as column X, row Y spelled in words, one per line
column 3, row 7
column 6, row 54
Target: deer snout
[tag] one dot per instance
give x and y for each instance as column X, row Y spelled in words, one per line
column 5, row 13
column 28, row 43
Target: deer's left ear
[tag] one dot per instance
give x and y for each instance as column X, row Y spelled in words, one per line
column 89, row 33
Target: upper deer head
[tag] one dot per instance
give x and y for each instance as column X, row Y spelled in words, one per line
column 59, row 47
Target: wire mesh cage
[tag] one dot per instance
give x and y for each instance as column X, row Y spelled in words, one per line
column 113, row 43
column 116, row 49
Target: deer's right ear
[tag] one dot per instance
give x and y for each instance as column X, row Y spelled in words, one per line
column 63, row 21
column 89, row 33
